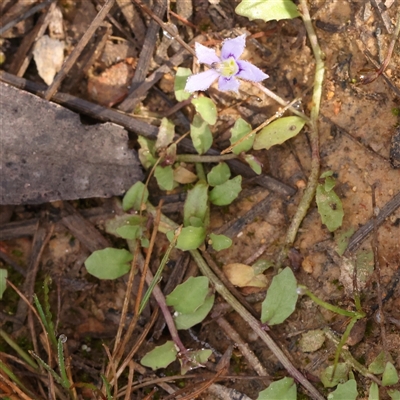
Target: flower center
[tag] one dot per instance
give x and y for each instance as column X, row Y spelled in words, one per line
column 228, row 67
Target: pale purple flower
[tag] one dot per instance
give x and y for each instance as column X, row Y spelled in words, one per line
column 226, row 68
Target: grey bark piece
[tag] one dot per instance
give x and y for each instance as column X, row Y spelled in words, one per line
column 47, row 154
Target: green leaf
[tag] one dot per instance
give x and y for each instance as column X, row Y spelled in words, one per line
column 240, row 129
column 329, row 207
column 181, row 77
column 135, row 197
column 373, row 392
column 130, row 232
column 311, row 341
column 219, row 174
column 390, row 375
column 282, row 389
column 378, row 364
column 254, row 164
column 194, row 359
column 3, row 282
column 187, row 297
column 220, row 242
column 191, row 238
column 326, row 174
column 206, row 108
column 147, row 152
column 109, row 263
column 160, row 356
column 281, row 298
column 201, row 135
column 165, row 134
column 267, row 10
column 112, row 225
column 364, row 265
column 196, row 206
column 261, row 265
column 278, row 132
column 346, row 391
column 341, row 375
column 342, row 240
column 165, row 177
column 224, row 194
column 329, row 183
column 394, row 394
column 186, row 321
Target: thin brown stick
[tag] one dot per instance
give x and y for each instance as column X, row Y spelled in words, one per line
column 113, row 365
column 14, row 388
column 138, row 343
column 130, row 381
column 165, row 27
column 145, row 57
column 117, row 345
column 148, row 257
column 69, row 371
column 46, row 338
column 217, row 271
column 381, row 319
column 359, row 236
column 20, row 16
column 243, row 347
column 198, row 391
column 23, row 55
column 40, row 240
column 183, row 20
column 70, row 61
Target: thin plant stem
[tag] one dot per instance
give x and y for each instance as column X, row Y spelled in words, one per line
column 22, row 353
column 337, row 310
column 160, row 298
column 157, row 276
column 281, row 101
column 200, row 171
column 117, row 347
column 348, row 357
column 139, row 304
column 137, row 344
column 312, row 183
column 263, row 125
column 197, row 158
column 167, row 224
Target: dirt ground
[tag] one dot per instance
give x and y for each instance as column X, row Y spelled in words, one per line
column 358, row 125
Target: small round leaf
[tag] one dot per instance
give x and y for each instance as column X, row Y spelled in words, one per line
column 160, row 356
column 206, row 108
column 191, row 238
column 109, row 263
column 220, row 242
column 219, row 174
column 135, row 197
column 278, row 132
column 224, row 194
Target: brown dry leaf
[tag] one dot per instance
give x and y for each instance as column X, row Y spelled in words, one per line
column 111, row 87
column 242, row 275
column 56, row 24
column 312, row 341
column 184, row 176
column 49, row 57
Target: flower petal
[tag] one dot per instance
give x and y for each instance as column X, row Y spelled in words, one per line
column 201, row 81
column 233, row 47
column 206, row 55
column 225, row 84
column 249, row 72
